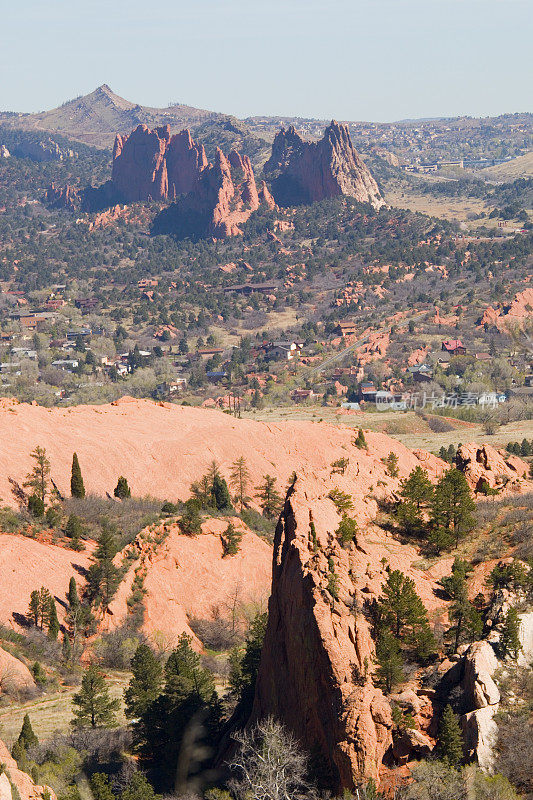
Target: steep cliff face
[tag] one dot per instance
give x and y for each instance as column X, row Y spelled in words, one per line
column 139, row 164
column 315, row 672
column 304, row 172
column 220, row 201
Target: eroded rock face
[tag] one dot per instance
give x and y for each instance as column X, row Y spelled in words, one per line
column 304, row 172
column 12, row 778
column 479, row 666
column 221, row 200
column 316, row 660
column 62, row 196
column 211, row 199
column 485, row 466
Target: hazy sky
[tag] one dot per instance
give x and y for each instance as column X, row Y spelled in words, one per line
column 350, row 59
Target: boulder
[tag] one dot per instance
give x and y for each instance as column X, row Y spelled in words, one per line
column 14, row 675
column 411, row 743
column 526, row 638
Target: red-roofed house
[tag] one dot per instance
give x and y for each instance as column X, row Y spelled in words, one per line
column 454, row 347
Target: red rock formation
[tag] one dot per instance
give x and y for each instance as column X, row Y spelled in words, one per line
column 186, row 159
column 222, row 199
column 519, row 311
column 139, row 164
column 62, row 196
column 304, row 172
column 316, row 664
column 13, row 781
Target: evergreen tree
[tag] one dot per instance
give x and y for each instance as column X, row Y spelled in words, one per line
column 392, row 464
column 93, row 704
column 77, row 489
column 38, row 478
column 231, row 539
column 466, row 619
column 145, row 683
column 245, row 665
column 269, row 497
column 100, row 787
column 53, row 622
column 27, row 737
column 190, row 520
column 347, row 530
column 400, row 608
column 74, row 529
column 240, row 481
column 40, row 606
column 416, row 492
column 452, row 507
column 188, row 690
column 389, row 660
column 122, row 490
column 221, row 495
column 66, row 649
column 360, row 440
column 139, row 788
column 510, row 644
column 103, row 577
column 450, row 742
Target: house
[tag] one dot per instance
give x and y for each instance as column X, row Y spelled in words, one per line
column 210, row 351
column 528, row 380
column 216, row 375
column 421, row 373
column 83, row 333
column 299, row 395
column 454, row 347
column 483, row 357
column 367, row 392
column 248, row 288
column 66, row 364
column 86, row 304
column 346, row 329
column 283, row 350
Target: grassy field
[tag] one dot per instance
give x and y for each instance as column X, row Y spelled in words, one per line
column 53, row 712
column 408, row 427
column 521, row 167
column 454, row 209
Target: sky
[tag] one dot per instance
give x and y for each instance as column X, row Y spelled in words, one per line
column 379, row 60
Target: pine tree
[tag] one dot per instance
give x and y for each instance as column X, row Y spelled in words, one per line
column 221, row 495
column 360, row 440
column 103, row 577
column 510, row 644
column 346, row 530
column 74, row 529
column 466, row 619
column 400, row 607
column 122, row 490
column 450, row 741
column 145, row 684
column 389, row 670
column 77, row 489
column 452, row 507
column 93, row 704
column 53, row 622
column 66, row 649
column 190, row 520
column 231, row 539
column 392, row 464
column 100, row 788
column 416, row 492
column 38, row 478
column 40, row 606
column 269, row 497
column 27, row 737
column 240, row 481
column 139, row 788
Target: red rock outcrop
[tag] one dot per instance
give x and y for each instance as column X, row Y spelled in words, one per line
column 13, row 780
column 62, row 196
column 139, row 164
column 212, row 199
column 519, row 311
column 304, row 172
column 222, row 199
column 316, row 664
column 483, row 465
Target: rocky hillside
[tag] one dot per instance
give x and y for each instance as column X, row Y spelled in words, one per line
column 318, row 665
column 304, row 172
